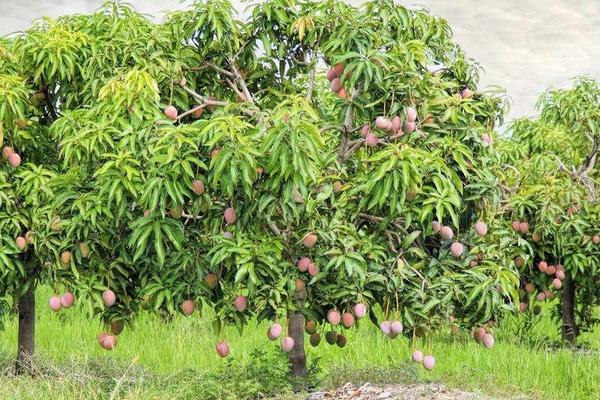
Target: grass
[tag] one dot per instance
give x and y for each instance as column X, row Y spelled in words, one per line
column 176, row 360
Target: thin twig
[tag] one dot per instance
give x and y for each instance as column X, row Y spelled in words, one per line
column 330, row 128
column 423, row 280
column 193, row 110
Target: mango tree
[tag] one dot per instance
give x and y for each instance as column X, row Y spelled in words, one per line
column 550, row 181
column 31, row 244
column 50, row 75
column 286, row 167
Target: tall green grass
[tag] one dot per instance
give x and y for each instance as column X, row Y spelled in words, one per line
column 156, row 352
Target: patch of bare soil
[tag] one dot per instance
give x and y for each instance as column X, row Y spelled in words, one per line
column 431, row 391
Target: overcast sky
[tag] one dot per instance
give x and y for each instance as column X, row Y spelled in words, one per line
column 524, row 46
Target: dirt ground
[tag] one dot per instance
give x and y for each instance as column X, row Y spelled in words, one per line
column 432, row 391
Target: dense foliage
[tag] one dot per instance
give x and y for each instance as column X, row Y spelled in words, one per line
column 269, row 163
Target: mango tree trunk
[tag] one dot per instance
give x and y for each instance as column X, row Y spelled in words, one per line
column 569, row 324
column 26, row 339
column 297, row 355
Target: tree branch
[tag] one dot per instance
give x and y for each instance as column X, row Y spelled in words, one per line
column 511, row 190
column 351, row 147
column 391, row 242
column 190, row 216
column 348, row 119
column 241, row 81
column 423, row 280
column 330, row 128
column 51, row 110
column 205, row 101
column 350, row 112
column 243, row 46
column 277, row 232
column 590, row 160
column 506, row 188
column 218, row 69
column 235, row 75
column 434, row 69
column 297, row 61
column 356, row 129
column 311, row 78
column 581, row 174
column 235, row 88
column 191, row 92
column 274, row 228
column 193, row 110
column 397, row 223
